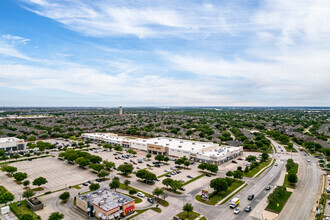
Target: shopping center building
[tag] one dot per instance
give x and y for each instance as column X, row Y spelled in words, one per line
column 175, row 148
column 10, row 144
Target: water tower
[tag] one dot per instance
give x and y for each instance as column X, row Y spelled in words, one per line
column 120, row 110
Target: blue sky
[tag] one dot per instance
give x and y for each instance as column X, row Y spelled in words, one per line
column 164, row 53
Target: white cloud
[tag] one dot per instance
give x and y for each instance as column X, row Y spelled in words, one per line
column 138, row 18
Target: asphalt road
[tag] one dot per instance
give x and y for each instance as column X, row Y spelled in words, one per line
column 301, row 201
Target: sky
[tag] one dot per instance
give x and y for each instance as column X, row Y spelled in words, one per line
column 164, row 53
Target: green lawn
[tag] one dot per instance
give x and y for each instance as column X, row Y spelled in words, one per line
column 23, row 209
column 289, row 149
column 192, row 215
column 273, row 207
column 233, row 195
column 287, row 183
column 76, row 187
column 215, row 198
column 255, row 170
column 203, row 218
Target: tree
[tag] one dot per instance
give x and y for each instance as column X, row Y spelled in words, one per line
column 264, row 156
column 167, row 182
column 219, row 184
column 94, row 186
column 26, row 183
column 108, row 164
column 187, row 163
column 179, row 161
column 108, row 146
column 251, row 158
column 56, row 216
column 82, row 162
column 64, row 196
column 157, row 192
column 188, row 207
column 126, row 183
column 202, row 166
column 28, row 193
column 102, row 174
column 26, row 217
column 9, row 169
column 39, row 181
column 95, row 159
column 212, row 167
column 166, row 159
column 6, row 197
column 176, row 184
column 159, row 157
column 126, row 169
column 96, row 167
column 292, row 178
column 146, row 175
column 229, row 173
column 19, row 176
column 148, row 155
column 114, row 184
column 238, row 174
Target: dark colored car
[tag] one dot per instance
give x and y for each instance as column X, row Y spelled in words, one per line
column 250, row 197
column 148, row 165
column 85, row 184
column 182, row 189
column 248, row 208
column 98, row 180
column 189, row 176
column 267, row 187
column 208, row 174
column 150, row 200
column 233, row 161
column 168, row 175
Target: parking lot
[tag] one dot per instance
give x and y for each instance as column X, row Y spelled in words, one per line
column 58, row 174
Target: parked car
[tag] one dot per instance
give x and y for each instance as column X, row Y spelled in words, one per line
column 248, row 208
column 85, row 184
column 176, row 218
column 178, row 171
column 250, row 197
column 140, row 194
column 137, row 168
column 182, row 189
column 148, row 165
column 209, row 175
column 172, row 168
column 236, row 211
column 98, row 180
column 190, row 176
column 168, row 175
column 234, row 161
column 166, row 171
column 150, row 200
column 90, row 181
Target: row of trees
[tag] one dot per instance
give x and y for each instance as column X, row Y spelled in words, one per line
column 292, row 169
column 53, row 216
column 146, row 175
column 210, row 167
column 173, row 184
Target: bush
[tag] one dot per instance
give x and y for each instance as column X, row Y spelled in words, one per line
column 132, row 191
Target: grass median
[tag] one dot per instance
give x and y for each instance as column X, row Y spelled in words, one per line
column 255, row 170
column 191, row 216
column 279, row 204
column 216, row 197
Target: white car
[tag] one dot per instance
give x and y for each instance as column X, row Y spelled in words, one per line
column 308, row 160
column 140, row 194
column 237, row 210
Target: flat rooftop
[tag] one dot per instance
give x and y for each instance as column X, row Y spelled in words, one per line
column 221, row 151
column 181, row 144
column 9, row 140
column 106, row 199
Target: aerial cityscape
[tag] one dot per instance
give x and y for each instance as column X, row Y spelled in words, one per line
column 156, row 110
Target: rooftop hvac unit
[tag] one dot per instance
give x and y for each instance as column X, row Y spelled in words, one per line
column 193, row 143
column 180, row 146
column 181, row 141
column 156, row 142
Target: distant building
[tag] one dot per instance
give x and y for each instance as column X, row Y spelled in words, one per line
column 106, row 204
column 10, row 144
column 194, row 150
column 120, row 110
